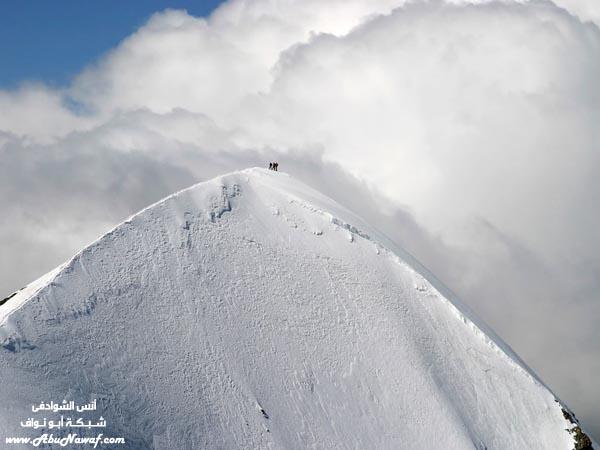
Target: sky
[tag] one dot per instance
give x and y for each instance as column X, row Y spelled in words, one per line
column 466, row 130
column 53, row 41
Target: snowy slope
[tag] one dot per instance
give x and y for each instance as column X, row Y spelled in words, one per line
column 252, row 312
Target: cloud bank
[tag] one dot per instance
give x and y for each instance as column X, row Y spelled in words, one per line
column 466, row 130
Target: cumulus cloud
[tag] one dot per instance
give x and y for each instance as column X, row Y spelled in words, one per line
column 37, row 113
column 466, row 130
column 586, row 10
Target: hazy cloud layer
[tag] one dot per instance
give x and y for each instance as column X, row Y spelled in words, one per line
column 467, row 131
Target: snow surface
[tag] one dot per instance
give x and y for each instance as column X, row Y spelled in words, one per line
column 250, row 311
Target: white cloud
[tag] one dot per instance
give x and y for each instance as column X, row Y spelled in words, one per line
column 586, row 10
column 473, row 125
column 37, row 113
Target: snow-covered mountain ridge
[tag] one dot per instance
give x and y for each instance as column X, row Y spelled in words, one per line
column 250, row 311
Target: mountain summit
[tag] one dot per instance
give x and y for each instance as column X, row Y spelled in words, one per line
column 252, row 312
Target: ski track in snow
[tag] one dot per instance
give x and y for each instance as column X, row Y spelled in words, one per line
column 250, row 311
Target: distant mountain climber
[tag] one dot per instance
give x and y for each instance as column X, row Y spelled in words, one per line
column 270, row 166
column 275, row 166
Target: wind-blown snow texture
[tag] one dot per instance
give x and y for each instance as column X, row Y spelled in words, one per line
column 252, row 312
